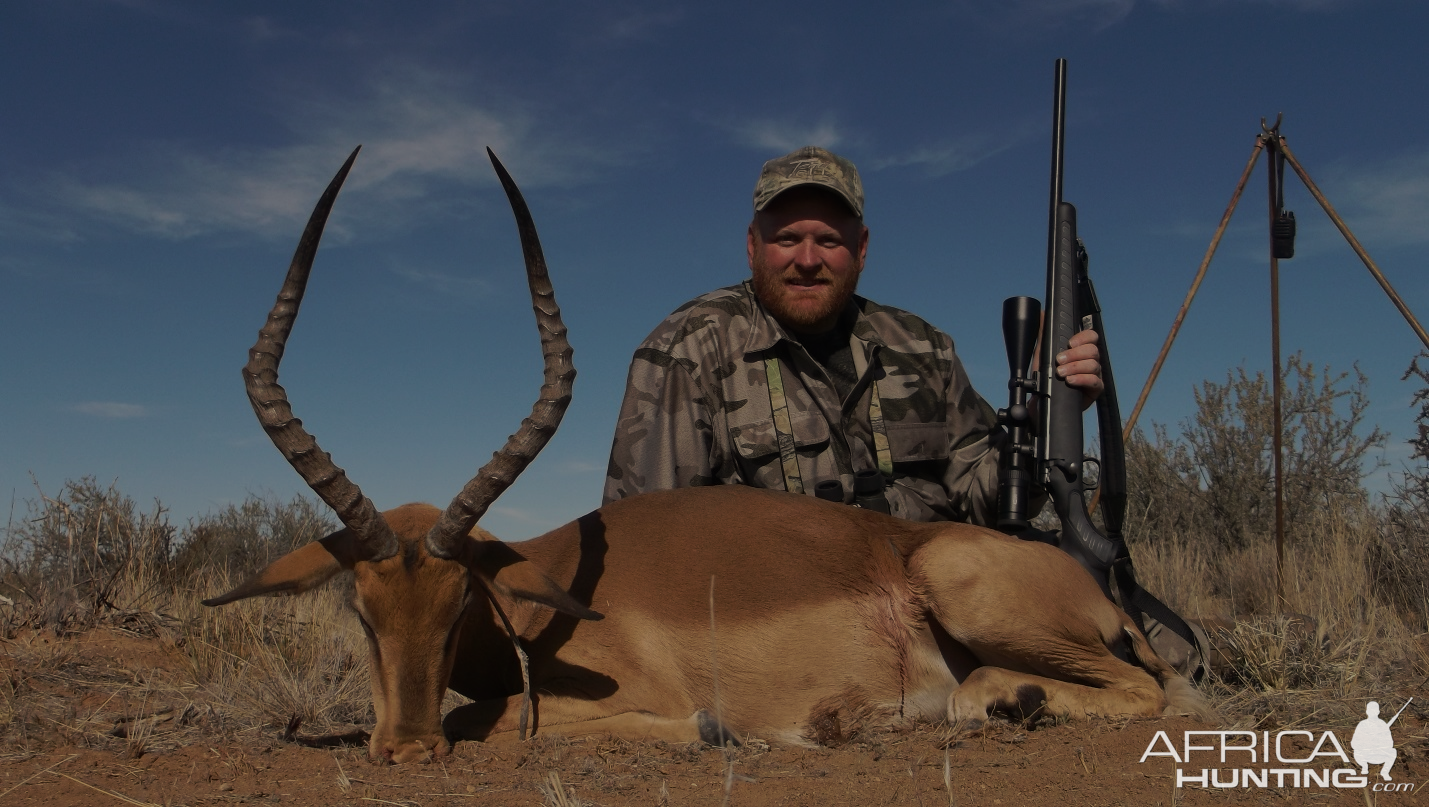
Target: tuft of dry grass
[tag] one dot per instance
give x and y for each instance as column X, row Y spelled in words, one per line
column 87, row 565
column 83, row 558
column 1343, row 618
column 1329, row 646
column 286, row 662
column 556, row 794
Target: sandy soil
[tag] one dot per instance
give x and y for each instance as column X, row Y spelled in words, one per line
column 178, row 754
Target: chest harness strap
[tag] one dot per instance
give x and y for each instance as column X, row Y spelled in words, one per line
column 784, row 429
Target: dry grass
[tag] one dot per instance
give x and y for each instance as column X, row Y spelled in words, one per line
column 86, row 567
column 293, row 662
column 1351, row 623
column 1333, row 643
column 557, row 794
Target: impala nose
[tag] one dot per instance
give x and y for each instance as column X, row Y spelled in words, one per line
column 416, row 750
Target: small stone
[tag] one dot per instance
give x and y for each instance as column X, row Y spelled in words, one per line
column 226, row 786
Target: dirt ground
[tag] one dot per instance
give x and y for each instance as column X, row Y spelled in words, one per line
column 107, row 747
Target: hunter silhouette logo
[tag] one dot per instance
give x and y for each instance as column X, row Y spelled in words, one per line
column 1280, row 759
column 1372, row 742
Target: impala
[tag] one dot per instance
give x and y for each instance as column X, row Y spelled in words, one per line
column 812, row 621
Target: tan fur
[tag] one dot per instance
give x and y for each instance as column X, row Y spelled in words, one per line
column 829, row 621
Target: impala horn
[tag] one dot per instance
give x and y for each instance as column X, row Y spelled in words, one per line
column 270, row 401
column 447, row 535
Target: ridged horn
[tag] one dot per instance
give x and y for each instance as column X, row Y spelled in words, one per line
column 270, row 401
column 445, row 538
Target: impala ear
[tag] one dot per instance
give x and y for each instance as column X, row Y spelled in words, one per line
column 301, row 570
column 505, row 571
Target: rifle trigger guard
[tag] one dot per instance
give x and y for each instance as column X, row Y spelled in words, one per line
column 1091, row 461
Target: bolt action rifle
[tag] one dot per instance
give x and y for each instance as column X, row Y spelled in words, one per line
column 1046, row 446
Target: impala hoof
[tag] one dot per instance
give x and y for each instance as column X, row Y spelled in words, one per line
column 713, row 733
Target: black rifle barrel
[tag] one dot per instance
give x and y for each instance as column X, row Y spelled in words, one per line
column 1056, row 416
column 1059, row 135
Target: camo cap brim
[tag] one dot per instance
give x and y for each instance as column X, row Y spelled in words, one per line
column 809, row 165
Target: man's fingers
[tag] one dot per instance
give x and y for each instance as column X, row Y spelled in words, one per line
column 1081, row 347
column 1073, row 370
column 1086, row 382
column 1090, row 385
column 1087, row 337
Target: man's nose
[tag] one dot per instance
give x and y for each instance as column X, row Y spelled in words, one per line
column 807, row 256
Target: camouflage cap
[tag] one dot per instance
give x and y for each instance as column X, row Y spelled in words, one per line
column 809, row 165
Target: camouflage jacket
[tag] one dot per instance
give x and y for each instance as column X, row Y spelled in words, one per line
column 697, row 410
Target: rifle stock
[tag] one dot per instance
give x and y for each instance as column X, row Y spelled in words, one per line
column 1060, row 443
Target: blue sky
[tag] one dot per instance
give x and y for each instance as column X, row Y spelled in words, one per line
column 158, row 160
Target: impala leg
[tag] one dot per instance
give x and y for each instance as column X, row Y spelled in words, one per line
column 1050, row 641
column 1024, row 696
column 498, row 721
column 642, row 726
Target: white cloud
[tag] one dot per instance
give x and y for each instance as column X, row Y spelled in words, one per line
column 950, row 156
column 419, row 133
column 25, row 222
column 785, row 136
column 1389, row 201
column 642, row 25
column 1294, row 5
column 935, row 159
column 151, row 212
column 1043, row 16
column 265, row 29
column 445, row 284
column 112, row 410
column 580, row 467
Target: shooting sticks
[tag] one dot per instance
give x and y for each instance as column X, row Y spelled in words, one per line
column 1270, row 139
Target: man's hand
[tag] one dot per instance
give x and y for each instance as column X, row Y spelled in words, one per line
column 1080, row 366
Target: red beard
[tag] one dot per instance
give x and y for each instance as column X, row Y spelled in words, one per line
column 810, row 309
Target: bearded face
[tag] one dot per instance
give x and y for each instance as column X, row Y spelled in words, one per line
column 806, row 250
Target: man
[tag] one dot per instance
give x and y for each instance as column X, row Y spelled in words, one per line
column 790, row 379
